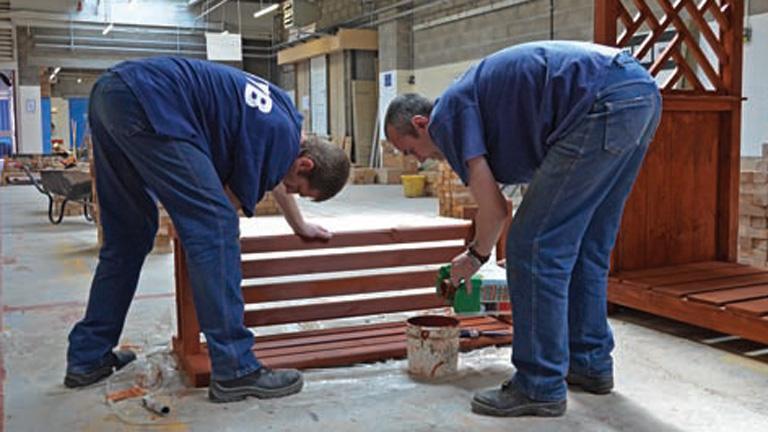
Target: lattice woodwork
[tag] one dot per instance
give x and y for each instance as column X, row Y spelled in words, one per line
column 688, row 46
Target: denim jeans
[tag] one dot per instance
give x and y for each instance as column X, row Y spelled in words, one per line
column 133, row 167
column 560, row 241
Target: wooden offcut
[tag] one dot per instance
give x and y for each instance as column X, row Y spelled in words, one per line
column 411, row 263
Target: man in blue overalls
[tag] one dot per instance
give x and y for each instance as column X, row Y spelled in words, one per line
column 574, row 120
column 201, row 138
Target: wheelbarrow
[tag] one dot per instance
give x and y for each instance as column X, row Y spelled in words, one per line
column 69, row 184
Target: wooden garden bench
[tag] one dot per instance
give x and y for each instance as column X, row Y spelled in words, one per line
column 285, row 268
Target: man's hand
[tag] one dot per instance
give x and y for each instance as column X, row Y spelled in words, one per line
column 463, row 266
column 313, row 231
column 294, row 218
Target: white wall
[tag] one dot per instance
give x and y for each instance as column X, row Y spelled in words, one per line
column 754, row 119
column 30, row 120
column 432, row 81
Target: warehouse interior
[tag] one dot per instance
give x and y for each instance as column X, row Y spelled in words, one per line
column 688, row 285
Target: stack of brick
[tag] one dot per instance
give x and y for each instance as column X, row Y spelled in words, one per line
column 362, row 175
column 394, row 164
column 267, row 206
column 452, row 195
column 753, row 216
column 12, row 173
column 430, row 183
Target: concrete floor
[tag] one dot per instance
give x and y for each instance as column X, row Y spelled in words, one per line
column 670, row 377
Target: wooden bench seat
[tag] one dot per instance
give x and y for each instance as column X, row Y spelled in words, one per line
column 286, row 280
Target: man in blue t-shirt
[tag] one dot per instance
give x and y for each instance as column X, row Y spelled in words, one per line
column 573, row 120
column 203, row 139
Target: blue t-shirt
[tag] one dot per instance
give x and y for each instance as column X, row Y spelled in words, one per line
column 247, row 126
column 515, row 103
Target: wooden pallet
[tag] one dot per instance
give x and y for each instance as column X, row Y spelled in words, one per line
column 726, row 297
column 411, row 262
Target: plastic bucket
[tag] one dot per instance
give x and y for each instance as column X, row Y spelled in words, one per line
column 413, row 185
column 433, row 346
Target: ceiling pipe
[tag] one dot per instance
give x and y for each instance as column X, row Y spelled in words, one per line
column 63, row 38
column 144, row 50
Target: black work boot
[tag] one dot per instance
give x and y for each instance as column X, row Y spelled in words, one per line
column 509, row 401
column 111, row 362
column 263, row 383
column 596, row 385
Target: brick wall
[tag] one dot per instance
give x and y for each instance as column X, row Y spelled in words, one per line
column 758, row 7
column 336, row 11
column 476, row 36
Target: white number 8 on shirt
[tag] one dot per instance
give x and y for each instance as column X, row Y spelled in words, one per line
column 257, row 96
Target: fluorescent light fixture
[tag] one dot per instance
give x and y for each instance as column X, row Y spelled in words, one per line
column 261, row 12
column 79, row 80
column 108, row 29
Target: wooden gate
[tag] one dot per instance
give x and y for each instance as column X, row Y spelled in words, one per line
column 677, row 248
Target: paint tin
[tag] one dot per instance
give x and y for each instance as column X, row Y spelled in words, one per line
column 433, row 346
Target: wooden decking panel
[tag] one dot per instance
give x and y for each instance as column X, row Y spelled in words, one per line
column 734, row 295
column 672, row 270
column 699, row 275
column 689, row 288
column 756, row 308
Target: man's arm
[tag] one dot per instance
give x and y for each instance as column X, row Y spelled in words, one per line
column 294, row 218
column 489, row 220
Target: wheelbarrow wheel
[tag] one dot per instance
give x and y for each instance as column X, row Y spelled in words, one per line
column 60, row 216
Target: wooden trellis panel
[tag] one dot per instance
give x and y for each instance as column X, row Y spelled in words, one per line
column 705, row 44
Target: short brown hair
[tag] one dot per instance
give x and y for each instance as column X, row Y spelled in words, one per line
column 331, row 170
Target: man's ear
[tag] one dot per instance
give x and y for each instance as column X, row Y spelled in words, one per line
column 420, row 121
column 305, row 164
